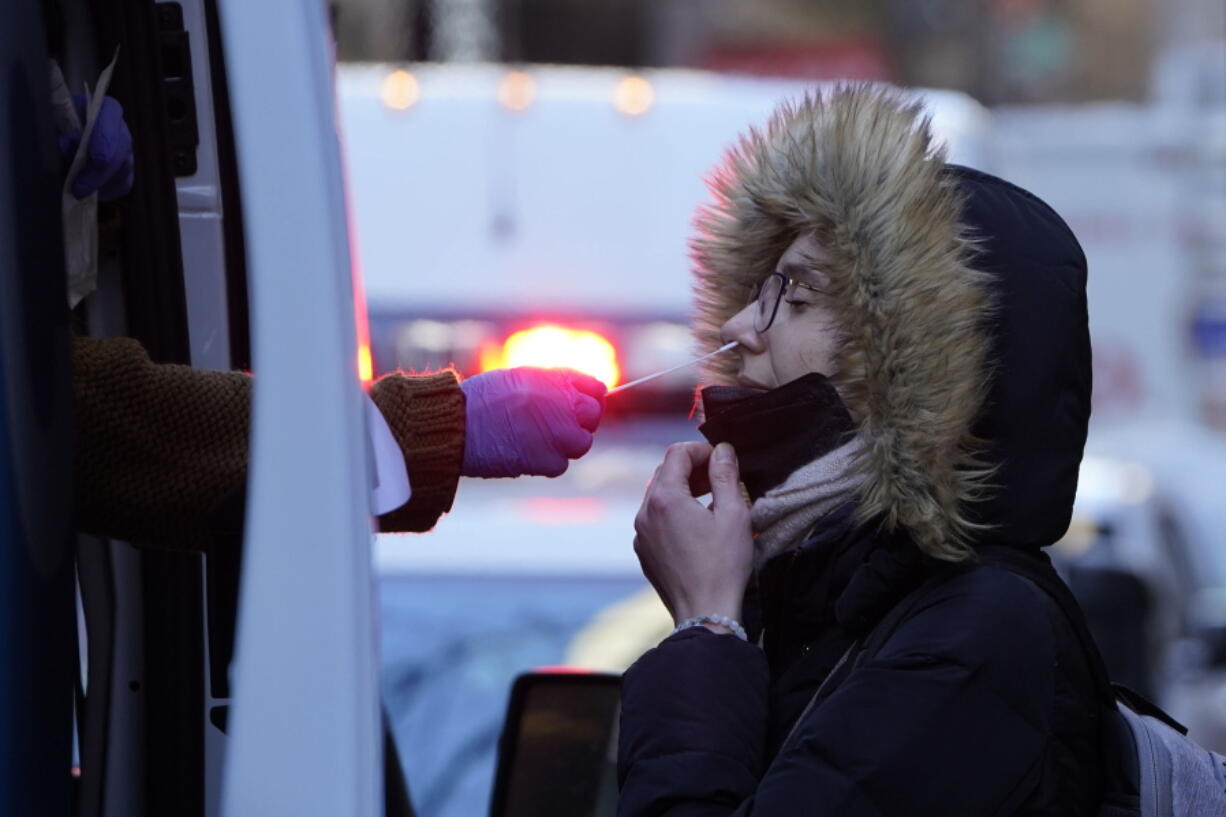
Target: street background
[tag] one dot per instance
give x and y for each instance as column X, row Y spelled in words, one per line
column 516, row 164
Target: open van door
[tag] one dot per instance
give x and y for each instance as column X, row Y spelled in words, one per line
column 305, row 729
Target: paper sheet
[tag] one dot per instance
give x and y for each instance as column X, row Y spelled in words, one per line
column 390, row 482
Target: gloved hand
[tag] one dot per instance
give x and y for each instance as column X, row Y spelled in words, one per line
column 109, row 167
column 528, row 420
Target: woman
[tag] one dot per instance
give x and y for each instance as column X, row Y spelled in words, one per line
column 914, row 390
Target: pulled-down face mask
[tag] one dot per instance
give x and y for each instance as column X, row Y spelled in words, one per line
column 777, row 431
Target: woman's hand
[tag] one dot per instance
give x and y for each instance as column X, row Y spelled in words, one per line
column 698, row 559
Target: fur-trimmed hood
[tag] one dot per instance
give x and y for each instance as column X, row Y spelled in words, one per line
column 944, row 281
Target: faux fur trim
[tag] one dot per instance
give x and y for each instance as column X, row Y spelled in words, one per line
column 857, row 168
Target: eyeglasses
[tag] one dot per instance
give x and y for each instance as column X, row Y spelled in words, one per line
column 768, row 294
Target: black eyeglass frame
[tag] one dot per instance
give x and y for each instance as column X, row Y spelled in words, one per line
column 756, row 293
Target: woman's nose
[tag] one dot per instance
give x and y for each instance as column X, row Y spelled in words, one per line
column 740, row 328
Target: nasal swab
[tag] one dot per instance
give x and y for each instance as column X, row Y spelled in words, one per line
column 641, row 380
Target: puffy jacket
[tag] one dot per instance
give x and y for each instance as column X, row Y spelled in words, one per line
column 966, row 364
column 980, row 703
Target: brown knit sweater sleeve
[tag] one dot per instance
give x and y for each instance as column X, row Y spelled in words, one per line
column 157, row 445
column 160, row 446
column 426, row 415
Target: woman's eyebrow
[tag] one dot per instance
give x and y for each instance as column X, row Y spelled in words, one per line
column 801, row 272
column 794, row 269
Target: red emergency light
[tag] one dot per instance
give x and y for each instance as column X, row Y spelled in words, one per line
column 551, row 346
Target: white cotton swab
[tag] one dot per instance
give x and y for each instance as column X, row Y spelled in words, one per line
column 642, row 380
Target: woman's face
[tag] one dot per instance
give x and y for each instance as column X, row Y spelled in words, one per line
column 801, row 339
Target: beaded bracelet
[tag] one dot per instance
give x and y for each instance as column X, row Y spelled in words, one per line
column 723, row 621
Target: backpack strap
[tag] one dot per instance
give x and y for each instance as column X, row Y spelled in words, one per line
column 900, row 612
column 1037, row 567
column 1033, row 565
column 1119, row 773
column 866, row 646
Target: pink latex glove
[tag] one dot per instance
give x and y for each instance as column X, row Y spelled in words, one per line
column 528, row 421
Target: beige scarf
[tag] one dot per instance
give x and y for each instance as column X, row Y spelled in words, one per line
column 785, row 513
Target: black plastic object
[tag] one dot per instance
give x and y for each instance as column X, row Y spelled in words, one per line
column 558, row 753
column 179, row 90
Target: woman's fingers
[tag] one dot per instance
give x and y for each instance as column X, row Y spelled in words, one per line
column 725, row 480
column 700, row 481
column 698, row 559
column 680, row 462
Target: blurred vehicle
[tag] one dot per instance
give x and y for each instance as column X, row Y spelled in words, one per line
column 1132, row 183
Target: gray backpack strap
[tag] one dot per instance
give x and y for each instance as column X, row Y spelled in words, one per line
column 1177, row 777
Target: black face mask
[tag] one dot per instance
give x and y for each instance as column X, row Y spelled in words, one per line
column 777, row 431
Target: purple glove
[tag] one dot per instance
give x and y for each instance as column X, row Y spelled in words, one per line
column 528, row 421
column 108, row 167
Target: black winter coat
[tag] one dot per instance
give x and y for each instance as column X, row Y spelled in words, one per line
column 981, row 702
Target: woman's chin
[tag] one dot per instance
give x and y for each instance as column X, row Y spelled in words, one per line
column 750, row 383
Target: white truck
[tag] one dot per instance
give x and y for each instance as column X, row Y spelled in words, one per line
column 511, row 197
